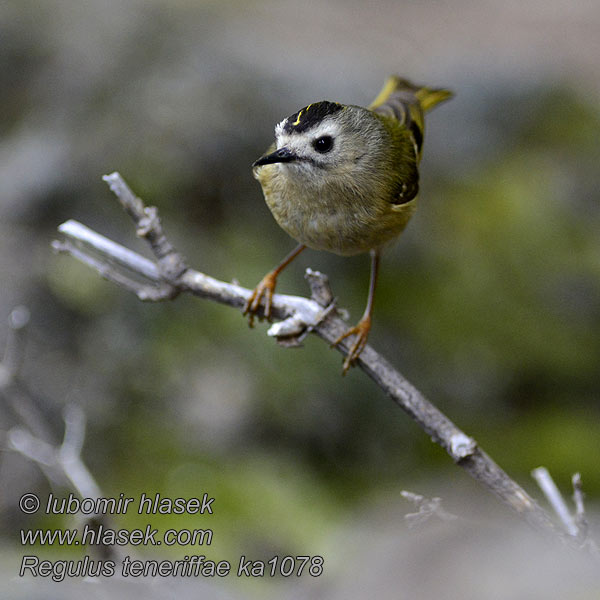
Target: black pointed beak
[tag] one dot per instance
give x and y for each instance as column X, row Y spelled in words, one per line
column 282, row 155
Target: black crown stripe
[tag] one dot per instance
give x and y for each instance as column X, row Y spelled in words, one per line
column 310, row 115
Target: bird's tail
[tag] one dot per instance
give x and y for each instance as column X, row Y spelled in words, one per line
column 406, row 102
column 396, row 89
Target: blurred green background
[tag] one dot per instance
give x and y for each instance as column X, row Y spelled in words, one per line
column 489, row 303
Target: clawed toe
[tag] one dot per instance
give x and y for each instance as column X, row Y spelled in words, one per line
column 361, row 330
column 264, row 289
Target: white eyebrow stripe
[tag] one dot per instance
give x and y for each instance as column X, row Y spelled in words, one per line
column 279, row 127
column 328, row 127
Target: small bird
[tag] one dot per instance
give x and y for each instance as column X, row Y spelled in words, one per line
column 345, row 179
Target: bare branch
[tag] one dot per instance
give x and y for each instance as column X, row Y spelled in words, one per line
column 63, row 464
column 21, row 404
column 320, row 290
column 74, row 435
column 576, row 526
column 68, row 456
column 105, row 256
column 119, row 254
column 148, row 226
column 40, row 452
column 554, row 497
column 299, row 315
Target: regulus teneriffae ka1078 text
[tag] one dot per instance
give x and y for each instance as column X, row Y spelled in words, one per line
column 345, row 179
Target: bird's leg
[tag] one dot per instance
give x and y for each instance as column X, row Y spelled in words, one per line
column 266, row 288
column 362, row 328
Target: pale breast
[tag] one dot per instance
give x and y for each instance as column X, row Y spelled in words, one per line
column 341, row 222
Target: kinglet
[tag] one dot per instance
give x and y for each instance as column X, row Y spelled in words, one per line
column 345, row 179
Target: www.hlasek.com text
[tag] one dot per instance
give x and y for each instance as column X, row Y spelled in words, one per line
column 99, row 535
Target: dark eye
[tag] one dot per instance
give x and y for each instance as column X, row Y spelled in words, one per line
column 323, row 144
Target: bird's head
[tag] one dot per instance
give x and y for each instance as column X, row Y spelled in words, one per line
column 324, row 141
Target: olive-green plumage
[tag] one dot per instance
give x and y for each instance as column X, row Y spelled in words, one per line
column 345, row 179
column 359, row 193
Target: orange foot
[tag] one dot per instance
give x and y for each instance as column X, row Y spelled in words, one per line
column 361, row 329
column 264, row 289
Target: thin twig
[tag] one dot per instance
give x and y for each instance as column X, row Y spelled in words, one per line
column 63, row 463
column 554, row 497
column 298, row 316
column 576, row 525
column 580, row 518
column 20, row 403
column 69, row 453
column 428, row 507
column 578, row 495
column 14, row 349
